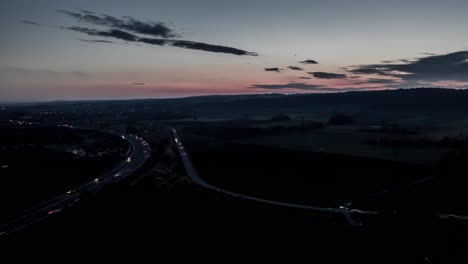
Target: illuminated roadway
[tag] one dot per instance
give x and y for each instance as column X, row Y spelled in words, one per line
column 138, row 154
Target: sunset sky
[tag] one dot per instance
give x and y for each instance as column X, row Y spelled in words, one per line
column 53, row 49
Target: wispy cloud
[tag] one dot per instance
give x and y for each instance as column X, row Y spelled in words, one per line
column 31, row 23
column 367, row 70
column 118, row 28
column 294, row 68
column 275, row 69
column 327, row 75
column 432, row 68
column 209, row 47
column 156, row 29
column 96, row 41
column 429, row 53
column 113, row 33
column 382, row 81
column 122, row 35
column 309, row 62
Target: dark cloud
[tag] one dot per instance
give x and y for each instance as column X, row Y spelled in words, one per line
column 153, row 41
column 398, row 61
column 309, row 62
column 273, row 69
column 138, row 83
column 452, row 66
column 157, row 29
column 37, row 24
column 84, row 11
column 405, row 60
column 118, row 26
column 209, row 47
column 30, row 23
column 306, row 78
column 382, row 81
column 294, row 68
column 122, row 35
column 96, row 41
column 113, row 33
column 328, row 75
column 367, row 70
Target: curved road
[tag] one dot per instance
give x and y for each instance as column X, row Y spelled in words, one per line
column 192, row 173
column 138, row 154
column 344, row 210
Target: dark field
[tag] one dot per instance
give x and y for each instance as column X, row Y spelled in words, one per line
column 403, row 160
column 40, row 162
column 297, row 176
column 148, row 222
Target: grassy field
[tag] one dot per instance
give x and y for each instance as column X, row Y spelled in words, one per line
column 295, row 175
column 346, row 140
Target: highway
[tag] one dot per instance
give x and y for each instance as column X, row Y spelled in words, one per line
column 138, row 154
column 193, row 174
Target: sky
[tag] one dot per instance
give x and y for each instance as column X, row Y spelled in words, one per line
column 96, row 49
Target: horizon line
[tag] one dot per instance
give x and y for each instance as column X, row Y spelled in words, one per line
column 16, row 102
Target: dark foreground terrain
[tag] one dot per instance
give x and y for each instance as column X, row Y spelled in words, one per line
column 163, row 216
column 263, row 146
column 303, row 177
column 185, row 223
column 40, row 162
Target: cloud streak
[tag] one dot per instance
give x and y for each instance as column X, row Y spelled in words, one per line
column 309, row 62
column 327, row 75
column 294, row 68
column 275, row 69
column 155, row 29
column 31, row 23
column 382, row 81
column 209, row 47
column 186, row 44
column 113, row 33
column 96, row 41
column 451, row 66
column 120, row 26
column 367, row 70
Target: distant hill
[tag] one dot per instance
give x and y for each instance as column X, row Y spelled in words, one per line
column 418, row 98
column 404, row 99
